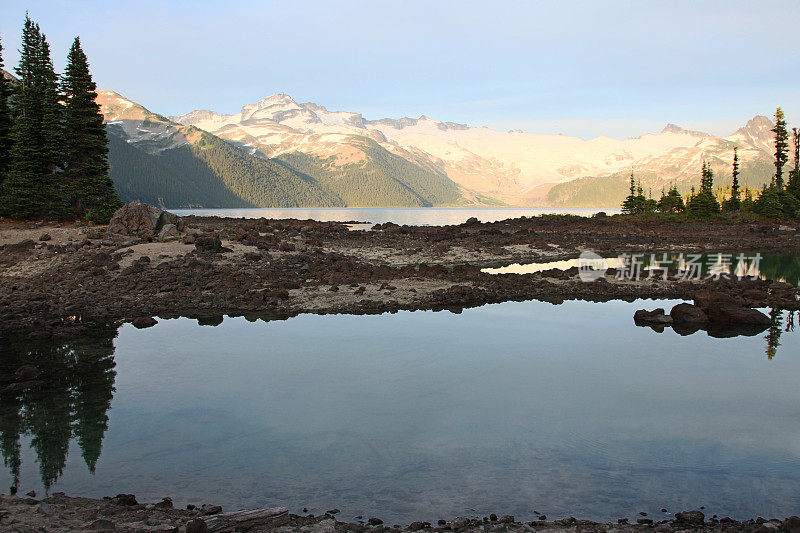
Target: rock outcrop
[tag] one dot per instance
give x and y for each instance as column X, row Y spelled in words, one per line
column 148, row 222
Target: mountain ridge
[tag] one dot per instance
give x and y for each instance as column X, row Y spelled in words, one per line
column 514, row 167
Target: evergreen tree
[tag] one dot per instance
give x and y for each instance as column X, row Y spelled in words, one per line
column 704, row 204
column 89, row 188
column 735, row 203
column 794, row 179
column 672, row 202
column 631, row 204
column 781, row 146
column 5, row 122
column 21, row 195
column 52, row 135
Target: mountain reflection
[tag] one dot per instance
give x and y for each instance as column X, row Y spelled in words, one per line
column 68, row 399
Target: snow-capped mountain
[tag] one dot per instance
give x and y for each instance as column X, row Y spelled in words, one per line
column 514, row 167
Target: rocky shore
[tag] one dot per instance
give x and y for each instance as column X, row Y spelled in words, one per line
column 54, row 279
column 124, row 514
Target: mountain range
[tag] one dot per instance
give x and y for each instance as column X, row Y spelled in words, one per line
column 281, row 153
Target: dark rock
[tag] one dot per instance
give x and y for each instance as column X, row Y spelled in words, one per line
column 144, row 322
column 622, row 520
column 646, row 521
column 197, row 525
column 507, row 519
column 690, row 517
column 688, row 313
column 124, row 499
column 471, row 221
column 656, row 316
column 32, row 494
column 27, row 373
column 416, row 526
column 166, row 503
column 459, row 523
column 642, row 513
column 704, row 298
column 207, row 510
column 543, row 517
column 102, row 524
column 333, row 511
column 375, row 521
column 792, row 524
column 734, row 314
column 208, row 244
column 45, row 237
column 493, row 517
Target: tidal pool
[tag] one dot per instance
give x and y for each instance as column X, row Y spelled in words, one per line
column 509, row 408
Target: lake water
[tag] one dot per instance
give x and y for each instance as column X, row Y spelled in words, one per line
column 413, row 216
column 509, row 408
column 777, row 267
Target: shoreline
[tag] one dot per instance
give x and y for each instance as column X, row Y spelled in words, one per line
column 54, row 279
column 124, row 514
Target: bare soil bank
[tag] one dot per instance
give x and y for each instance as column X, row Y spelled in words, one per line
column 53, row 284
column 123, row 514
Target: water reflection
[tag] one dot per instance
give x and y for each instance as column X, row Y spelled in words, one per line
column 68, row 398
column 777, row 267
column 726, row 331
column 413, row 415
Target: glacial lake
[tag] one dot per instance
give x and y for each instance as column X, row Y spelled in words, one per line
column 412, row 216
column 508, row 408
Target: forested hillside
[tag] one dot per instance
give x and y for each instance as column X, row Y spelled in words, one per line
column 383, row 180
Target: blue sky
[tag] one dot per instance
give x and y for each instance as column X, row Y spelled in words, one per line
column 581, row 68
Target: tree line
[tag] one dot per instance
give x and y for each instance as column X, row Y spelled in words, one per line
column 780, row 199
column 53, row 145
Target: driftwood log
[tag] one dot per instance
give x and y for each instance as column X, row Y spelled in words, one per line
column 252, row 519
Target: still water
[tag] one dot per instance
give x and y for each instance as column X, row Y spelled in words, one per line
column 413, row 216
column 509, row 408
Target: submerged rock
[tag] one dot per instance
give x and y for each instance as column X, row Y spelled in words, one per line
column 656, row 316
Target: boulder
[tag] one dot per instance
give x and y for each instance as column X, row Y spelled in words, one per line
column 26, row 373
column 138, row 219
column 688, row 313
column 144, row 322
column 656, row 316
column 727, row 313
column 690, row 517
column 704, row 298
column 169, row 231
column 208, row 244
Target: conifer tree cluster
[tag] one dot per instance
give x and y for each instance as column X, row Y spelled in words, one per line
column 780, row 200
column 53, row 145
column 704, row 204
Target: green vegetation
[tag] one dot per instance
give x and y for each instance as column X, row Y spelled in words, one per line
column 54, row 158
column 384, row 179
column 211, row 173
column 777, row 200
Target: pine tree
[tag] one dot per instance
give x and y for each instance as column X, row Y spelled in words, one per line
column 31, row 188
column 735, row 203
column 22, row 190
column 52, row 134
column 5, row 122
column 90, row 190
column 794, row 179
column 781, row 146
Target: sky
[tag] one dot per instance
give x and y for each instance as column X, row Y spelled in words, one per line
column 582, row 68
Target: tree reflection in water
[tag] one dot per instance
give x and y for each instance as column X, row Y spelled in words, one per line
column 68, row 400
